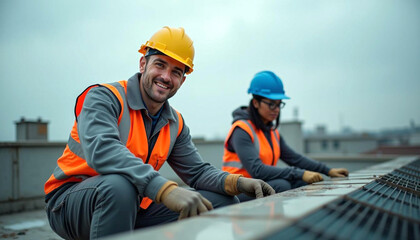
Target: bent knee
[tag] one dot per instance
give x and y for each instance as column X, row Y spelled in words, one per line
column 280, row 185
column 219, row 200
column 118, row 189
column 224, row 200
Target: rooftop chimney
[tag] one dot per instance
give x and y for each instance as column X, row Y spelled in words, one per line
column 27, row 130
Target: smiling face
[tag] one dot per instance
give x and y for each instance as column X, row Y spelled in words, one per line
column 161, row 77
column 267, row 115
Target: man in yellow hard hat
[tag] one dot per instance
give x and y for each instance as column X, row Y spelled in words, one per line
column 107, row 179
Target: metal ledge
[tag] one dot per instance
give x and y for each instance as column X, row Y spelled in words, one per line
column 272, row 217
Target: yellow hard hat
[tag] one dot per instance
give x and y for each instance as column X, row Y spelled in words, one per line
column 174, row 43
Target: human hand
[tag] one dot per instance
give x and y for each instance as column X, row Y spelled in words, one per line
column 187, row 203
column 338, row 172
column 311, row 177
column 254, row 187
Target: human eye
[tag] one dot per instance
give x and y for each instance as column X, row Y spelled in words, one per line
column 177, row 73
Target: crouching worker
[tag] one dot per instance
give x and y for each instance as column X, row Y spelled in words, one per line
column 107, row 179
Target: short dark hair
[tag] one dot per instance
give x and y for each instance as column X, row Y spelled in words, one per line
column 255, row 117
column 152, row 51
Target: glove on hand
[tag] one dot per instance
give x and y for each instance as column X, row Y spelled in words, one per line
column 254, row 187
column 311, row 177
column 338, row 172
column 187, row 203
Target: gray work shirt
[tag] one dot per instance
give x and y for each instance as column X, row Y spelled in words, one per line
column 104, row 152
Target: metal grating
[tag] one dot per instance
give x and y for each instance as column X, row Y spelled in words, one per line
column 387, row 208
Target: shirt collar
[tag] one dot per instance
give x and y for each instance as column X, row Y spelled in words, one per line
column 135, row 102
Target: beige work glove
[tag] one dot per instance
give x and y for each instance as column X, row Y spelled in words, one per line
column 254, row 187
column 187, row 203
column 338, row 172
column 311, row 177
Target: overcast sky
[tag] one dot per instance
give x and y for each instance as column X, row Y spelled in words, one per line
column 343, row 63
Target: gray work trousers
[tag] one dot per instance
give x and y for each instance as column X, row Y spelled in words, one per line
column 108, row 204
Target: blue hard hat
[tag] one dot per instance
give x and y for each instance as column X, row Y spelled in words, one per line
column 268, row 85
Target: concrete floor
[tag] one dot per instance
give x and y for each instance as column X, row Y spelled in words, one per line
column 26, row 226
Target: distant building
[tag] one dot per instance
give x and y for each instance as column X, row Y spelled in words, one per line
column 339, row 144
column 291, row 131
column 414, row 139
column 27, row 130
column 346, row 142
column 396, row 150
column 400, row 136
column 389, row 141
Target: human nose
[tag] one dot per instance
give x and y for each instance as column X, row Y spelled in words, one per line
column 166, row 75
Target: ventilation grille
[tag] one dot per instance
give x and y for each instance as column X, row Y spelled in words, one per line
column 387, row 208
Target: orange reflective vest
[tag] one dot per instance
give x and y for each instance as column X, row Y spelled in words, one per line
column 268, row 155
column 72, row 167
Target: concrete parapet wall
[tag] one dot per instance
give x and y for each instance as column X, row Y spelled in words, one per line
column 24, row 169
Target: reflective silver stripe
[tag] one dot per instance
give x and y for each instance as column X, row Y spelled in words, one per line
column 256, row 142
column 59, row 174
column 277, row 139
column 75, row 147
column 173, row 129
column 233, row 164
column 124, row 126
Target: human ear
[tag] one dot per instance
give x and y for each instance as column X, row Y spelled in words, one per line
column 142, row 64
column 183, row 80
column 255, row 103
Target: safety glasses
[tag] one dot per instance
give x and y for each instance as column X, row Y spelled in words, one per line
column 273, row 105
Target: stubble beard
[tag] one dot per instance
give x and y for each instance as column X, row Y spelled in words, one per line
column 148, row 88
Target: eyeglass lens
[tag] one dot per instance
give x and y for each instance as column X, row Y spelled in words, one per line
column 273, row 106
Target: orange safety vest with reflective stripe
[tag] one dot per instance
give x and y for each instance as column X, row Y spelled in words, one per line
column 72, row 166
column 268, row 155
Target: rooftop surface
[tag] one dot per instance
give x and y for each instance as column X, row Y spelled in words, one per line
column 285, row 215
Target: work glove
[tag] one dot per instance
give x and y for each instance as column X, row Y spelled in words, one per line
column 311, row 177
column 338, row 172
column 254, row 187
column 185, row 202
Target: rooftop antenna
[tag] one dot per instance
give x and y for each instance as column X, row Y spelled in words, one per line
column 296, row 113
